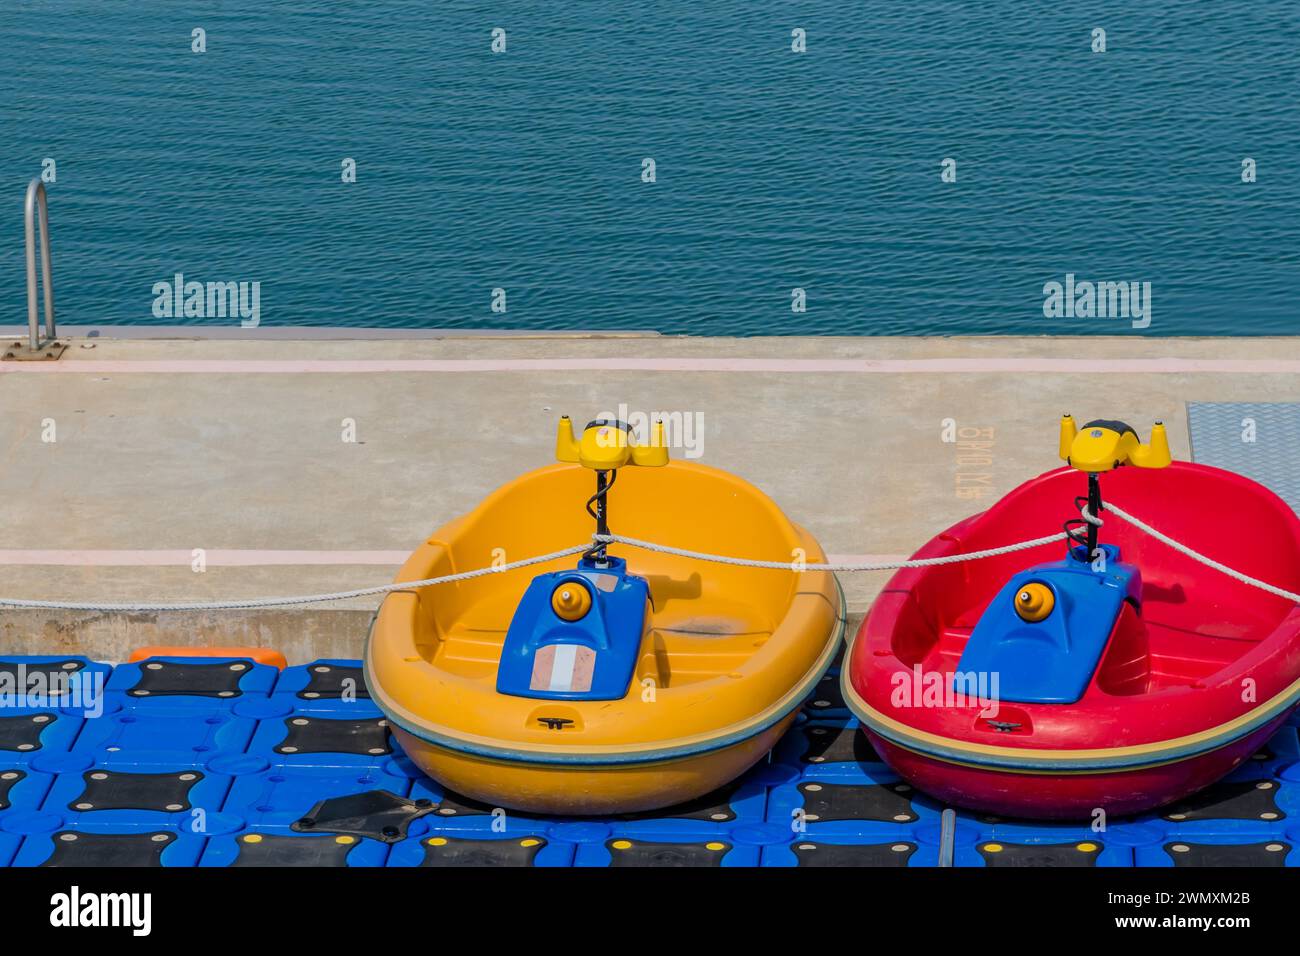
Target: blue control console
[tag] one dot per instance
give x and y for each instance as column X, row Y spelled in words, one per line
column 1051, row 660
column 576, row 635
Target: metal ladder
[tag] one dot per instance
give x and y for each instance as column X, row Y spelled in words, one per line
column 35, row 349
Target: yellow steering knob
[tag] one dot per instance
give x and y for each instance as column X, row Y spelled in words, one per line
column 1034, row 602
column 571, row 601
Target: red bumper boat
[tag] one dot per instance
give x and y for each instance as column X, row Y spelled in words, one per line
column 1115, row 677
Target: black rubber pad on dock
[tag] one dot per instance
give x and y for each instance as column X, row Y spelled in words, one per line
column 376, row 814
column 108, row 849
column 826, row 696
column 318, row 735
column 1230, row 800
column 836, row 745
column 1268, row 853
column 174, row 679
column 834, row 854
column 22, row 733
column 996, row 853
column 50, row 677
column 7, row 780
column 271, row 849
column 335, row 682
column 459, row 851
column 889, row 802
column 625, row 852
column 114, row 790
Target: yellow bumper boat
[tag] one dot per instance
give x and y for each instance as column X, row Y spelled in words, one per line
column 631, row 681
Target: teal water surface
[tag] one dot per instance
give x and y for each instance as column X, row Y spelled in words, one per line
column 775, row 170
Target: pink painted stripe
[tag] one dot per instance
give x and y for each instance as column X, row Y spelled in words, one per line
column 213, row 557
column 1064, row 366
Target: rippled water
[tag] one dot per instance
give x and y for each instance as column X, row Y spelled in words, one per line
column 775, row 170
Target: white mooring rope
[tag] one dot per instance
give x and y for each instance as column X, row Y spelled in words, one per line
column 1197, row 556
column 648, row 546
column 301, row 599
column 867, row 566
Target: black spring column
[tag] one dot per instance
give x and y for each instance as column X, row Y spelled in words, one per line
column 1094, row 509
column 601, row 508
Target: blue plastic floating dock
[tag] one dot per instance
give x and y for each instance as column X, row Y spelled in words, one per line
column 225, row 762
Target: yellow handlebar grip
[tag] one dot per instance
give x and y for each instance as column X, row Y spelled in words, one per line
column 1068, row 433
column 1156, row 454
column 655, row 454
column 566, row 443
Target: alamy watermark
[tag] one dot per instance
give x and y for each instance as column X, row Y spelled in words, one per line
column 75, row 908
column 1085, row 299
column 82, row 690
column 208, row 300
column 684, row 430
column 921, row 688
